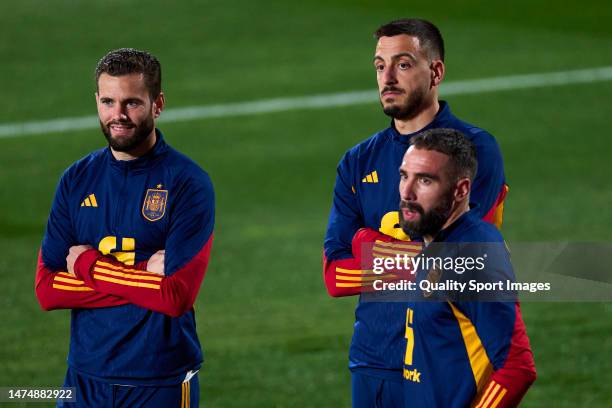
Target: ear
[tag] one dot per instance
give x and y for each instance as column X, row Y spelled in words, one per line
column 462, row 190
column 158, row 105
column 437, row 72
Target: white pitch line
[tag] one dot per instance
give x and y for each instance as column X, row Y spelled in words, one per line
column 261, row 106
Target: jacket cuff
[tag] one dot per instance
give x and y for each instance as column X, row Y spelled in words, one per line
column 85, row 262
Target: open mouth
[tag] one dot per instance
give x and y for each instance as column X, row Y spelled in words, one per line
column 410, row 215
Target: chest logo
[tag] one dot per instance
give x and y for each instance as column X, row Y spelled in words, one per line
column 433, row 276
column 154, row 205
column 371, row 178
column 90, row 201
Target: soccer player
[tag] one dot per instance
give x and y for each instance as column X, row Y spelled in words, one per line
column 119, row 214
column 409, row 64
column 463, row 352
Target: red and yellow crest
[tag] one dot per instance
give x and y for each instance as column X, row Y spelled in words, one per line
column 154, row 205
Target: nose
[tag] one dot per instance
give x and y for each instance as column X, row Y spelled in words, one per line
column 119, row 112
column 407, row 191
column 388, row 75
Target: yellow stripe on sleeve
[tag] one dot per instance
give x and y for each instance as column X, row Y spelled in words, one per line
column 499, row 398
column 400, row 246
column 68, row 280
column 128, row 275
column 485, row 395
column 121, row 268
column 392, row 254
column 348, row 285
column 73, row 288
column 491, row 396
column 124, row 282
column 365, row 278
column 355, row 271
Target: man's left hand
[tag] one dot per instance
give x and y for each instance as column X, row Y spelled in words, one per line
column 73, row 254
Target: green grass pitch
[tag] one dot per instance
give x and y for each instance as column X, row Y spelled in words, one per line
column 271, row 335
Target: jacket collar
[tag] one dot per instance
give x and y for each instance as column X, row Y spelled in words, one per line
column 441, row 119
column 143, row 162
column 466, row 219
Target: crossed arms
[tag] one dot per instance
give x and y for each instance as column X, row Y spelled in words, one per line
column 94, row 281
column 88, row 279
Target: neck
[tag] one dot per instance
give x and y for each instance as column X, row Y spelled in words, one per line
column 456, row 212
column 138, row 151
column 422, row 119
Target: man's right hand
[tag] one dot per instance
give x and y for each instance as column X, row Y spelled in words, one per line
column 155, row 263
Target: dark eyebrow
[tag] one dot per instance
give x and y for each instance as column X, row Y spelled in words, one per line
column 428, row 175
column 134, row 100
column 403, row 172
column 398, row 56
column 404, row 54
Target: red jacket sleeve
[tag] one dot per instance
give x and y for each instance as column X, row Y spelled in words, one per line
column 172, row 295
column 509, row 383
column 60, row 290
column 352, row 276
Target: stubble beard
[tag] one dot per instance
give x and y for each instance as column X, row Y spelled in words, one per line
column 128, row 143
column 430, row 222
column 415, row 104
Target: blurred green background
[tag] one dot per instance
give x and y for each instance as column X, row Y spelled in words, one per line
column 272, row 337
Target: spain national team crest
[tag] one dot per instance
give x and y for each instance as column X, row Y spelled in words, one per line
column 154, row 205
column 433, row 276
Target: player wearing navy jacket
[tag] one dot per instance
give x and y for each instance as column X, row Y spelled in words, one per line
column 126, row 248
column 460, row 351
column 409, row 62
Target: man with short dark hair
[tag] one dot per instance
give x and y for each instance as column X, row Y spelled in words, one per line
column 409, row 65
column 454, row 158
column 460, row 351
column 126, row 248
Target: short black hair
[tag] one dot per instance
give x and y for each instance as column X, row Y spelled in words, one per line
column 455, row 145
column 124, row 61
column 430, row 38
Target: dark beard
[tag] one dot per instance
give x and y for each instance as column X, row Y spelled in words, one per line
column 413, row 106
column 127, row 144
column 431, row 222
